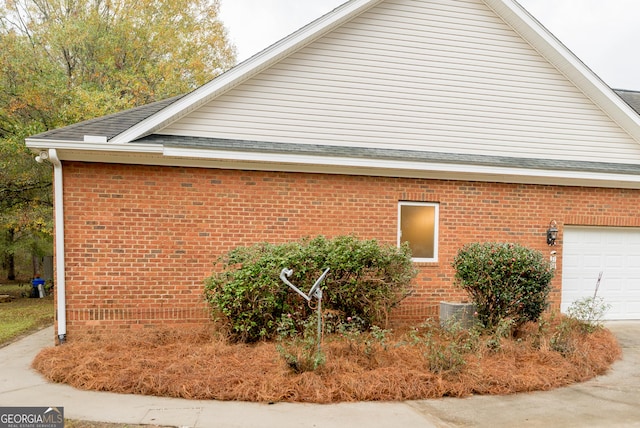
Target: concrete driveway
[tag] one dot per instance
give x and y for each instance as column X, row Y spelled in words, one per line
column 612, row 400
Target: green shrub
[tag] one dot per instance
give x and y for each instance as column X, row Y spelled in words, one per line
column 505, row 281
column 366, row 280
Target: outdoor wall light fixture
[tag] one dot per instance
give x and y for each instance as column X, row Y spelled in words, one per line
column 43, row 156
column 552, row 233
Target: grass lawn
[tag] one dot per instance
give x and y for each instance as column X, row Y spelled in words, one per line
column 23, row 315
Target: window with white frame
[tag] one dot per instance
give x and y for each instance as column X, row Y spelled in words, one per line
column 418, row 225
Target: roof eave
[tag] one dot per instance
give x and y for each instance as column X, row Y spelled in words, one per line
column 159, row 155
column 43, row 144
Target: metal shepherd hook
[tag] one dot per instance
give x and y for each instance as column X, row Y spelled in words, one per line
column 315, row 291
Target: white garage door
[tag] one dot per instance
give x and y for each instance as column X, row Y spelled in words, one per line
column 587, row 251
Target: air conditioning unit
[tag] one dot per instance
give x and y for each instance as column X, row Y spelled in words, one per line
column 454, row 312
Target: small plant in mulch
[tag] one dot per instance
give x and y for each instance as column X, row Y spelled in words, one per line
column 589, row 311
column 359, row 364
column 301, row 351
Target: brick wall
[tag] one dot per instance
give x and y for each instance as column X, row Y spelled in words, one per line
column 141, row 239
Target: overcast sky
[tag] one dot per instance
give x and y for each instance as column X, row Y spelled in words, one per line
column 604, row 34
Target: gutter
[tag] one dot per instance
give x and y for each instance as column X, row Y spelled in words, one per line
column 52, row 154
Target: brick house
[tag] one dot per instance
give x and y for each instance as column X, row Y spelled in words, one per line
column 465, row 114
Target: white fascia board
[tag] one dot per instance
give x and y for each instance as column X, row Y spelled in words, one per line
column 568, row 64
column 146, row 154
column 383, row 167
column 155, row 154
column 36, row 145
column 246, row 69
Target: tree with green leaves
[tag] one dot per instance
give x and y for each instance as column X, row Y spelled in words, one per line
column 25, row 207
column 65, row 61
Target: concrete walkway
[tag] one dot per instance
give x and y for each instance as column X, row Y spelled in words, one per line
column 612, row 400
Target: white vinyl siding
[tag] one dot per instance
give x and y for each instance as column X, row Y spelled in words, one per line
column 440, row 76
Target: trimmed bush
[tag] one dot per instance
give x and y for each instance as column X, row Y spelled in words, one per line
column 505, row 281
column 366, row 279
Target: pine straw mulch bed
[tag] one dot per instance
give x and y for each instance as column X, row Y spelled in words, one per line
column 202, row 365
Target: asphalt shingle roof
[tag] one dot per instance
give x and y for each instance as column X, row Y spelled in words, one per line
column 388, row 154
column 107, row 126
column 630, row 97
column 117, row 123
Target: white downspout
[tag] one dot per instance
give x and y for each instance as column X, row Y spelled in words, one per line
column 59, row 227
